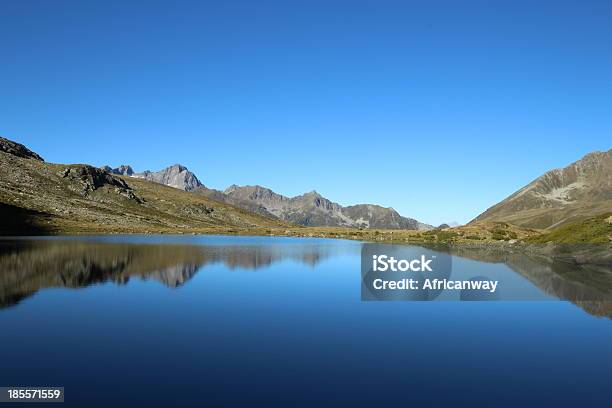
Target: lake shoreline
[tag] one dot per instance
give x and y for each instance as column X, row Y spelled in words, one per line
column 579, row 253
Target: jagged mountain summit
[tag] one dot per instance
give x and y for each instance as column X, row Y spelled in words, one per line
column 123, row 170
column 376, row 216
column 177, row 176
column 309, row 209
column 312, row 209
column 582, row 189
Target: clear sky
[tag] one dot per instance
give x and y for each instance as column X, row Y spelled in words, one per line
column 437, row 109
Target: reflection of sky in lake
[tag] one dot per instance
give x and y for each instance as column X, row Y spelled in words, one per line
column 296, row 332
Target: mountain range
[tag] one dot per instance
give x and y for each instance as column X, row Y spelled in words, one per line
column 176, row 176
column 41, row 198
column 38, row 197
column 309, row 209
column 582, row 189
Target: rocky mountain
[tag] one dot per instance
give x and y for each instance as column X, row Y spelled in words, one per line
column 309, row 209
column 41, row 198
column 177, row 176
column 237, row 202
column 17, row 149
column 582, row 189
column 312, row 209
column 375, row 216
column 123, row 170
column 272, row 201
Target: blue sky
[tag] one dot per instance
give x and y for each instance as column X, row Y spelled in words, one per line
column 437, row 109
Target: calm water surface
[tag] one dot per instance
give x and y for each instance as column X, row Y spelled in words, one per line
column 239, row 320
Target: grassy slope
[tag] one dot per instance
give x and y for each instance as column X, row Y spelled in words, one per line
column 36, row 199
column 594, row 230
column 481, row 233
column 546, row 217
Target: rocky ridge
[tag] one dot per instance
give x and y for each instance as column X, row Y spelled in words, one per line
column 309, row 209
column 312, row 209
column 582, row 189
column 17, row 149
column 40, row 198
column 123, row 170
column 177, row 176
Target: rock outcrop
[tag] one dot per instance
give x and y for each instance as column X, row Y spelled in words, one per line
column 17, row 149
column 123, row 170
column 87, row 179
column 40, row 198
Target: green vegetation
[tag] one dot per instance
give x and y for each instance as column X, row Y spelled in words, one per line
column 594, row 230
column 500, row 234
column 39, row 198
column 446, row 235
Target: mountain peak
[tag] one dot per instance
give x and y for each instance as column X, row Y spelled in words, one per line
column 177, row 176
column 231, row 189
column 123, row 170
column 581, row 189
column 254, row 193
column 179, row 167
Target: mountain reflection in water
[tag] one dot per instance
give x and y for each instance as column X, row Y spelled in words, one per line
column 585, row 285
column 28, row 265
